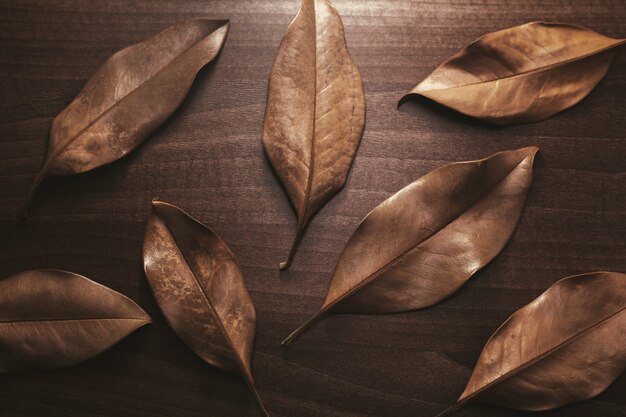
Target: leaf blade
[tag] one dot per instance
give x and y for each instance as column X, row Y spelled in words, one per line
column 466, row 211
column 572, row 316
column 199, row 287
column 52, row 319
column 305, row 135
column 129, row 96
column 521, row 74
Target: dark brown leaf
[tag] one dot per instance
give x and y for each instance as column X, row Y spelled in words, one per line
column 315, row 111
column 133, row 92
column 197, row 283
column 423, row 243
column 521, row 74
column 568, row 345
column 51, row 319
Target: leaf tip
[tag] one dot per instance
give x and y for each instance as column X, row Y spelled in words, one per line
column 530, row 152
column 402, row 100
column 146, row 318
column 284, row 265
column 224, row 28
column 532, row 149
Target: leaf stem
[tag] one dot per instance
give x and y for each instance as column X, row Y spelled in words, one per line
column 450, row 409
column 294, row 247
column 304, row 326
column 258, row 399
column 31, row 192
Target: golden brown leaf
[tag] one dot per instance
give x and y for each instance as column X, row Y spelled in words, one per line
column 315, row 111
column 521, row 74
column 423, row 243
column 568, row 345
column 131, row 94
column 51, row 319
column 199, row 287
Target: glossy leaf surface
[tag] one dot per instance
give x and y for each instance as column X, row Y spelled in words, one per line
column 51, row 319
column 568, row 345
column 423, row 243
column 131, row 94
column 521, row 74
column 315, row 111
column 199, row 287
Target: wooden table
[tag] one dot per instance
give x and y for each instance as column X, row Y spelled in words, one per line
column 209, row 160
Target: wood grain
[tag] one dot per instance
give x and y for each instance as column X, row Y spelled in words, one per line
column 208, row 158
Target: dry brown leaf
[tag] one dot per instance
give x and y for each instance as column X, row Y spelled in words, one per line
column 315, row 111
column 198, row 285
column 568, row 345
column 423, row 243
column 131, row 94
column 50, row 319
column 521, row 74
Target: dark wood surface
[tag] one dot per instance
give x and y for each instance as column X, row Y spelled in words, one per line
column 209, row 160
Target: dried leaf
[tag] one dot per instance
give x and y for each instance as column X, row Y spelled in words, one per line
column 197, row 283
column 315, row 111
column 568, row 345
column 131, row 94
column 521, row 74
column 51, row 319
column 423, row 243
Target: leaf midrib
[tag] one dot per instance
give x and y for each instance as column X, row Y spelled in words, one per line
column 307, row 192
column 311, row 175
column 37, row 321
